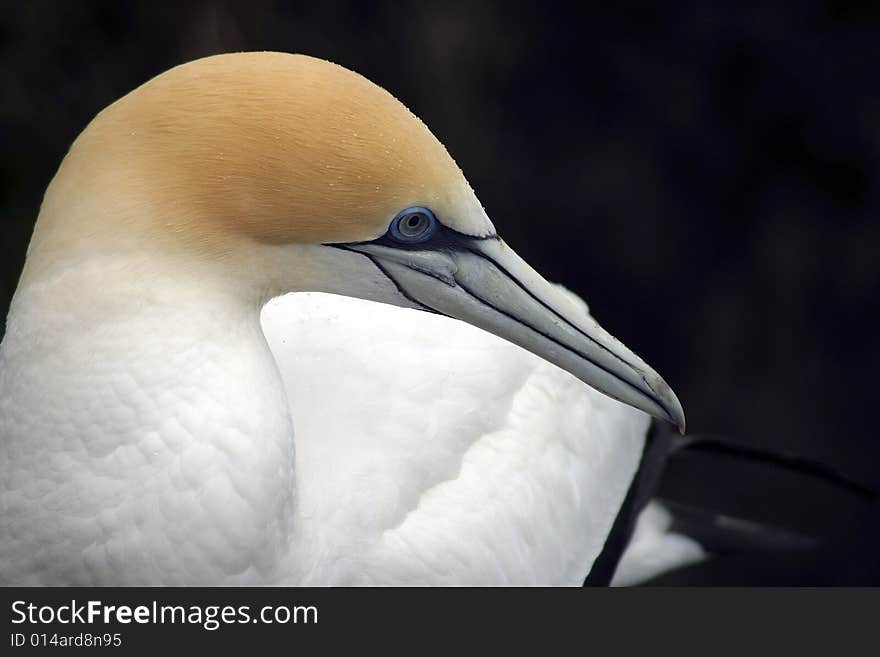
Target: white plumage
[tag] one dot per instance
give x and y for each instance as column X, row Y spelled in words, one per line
column 654, row 548
column 427, row 451
column 431, row 451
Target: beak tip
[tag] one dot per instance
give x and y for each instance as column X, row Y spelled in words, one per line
column 675, row 416
column 678, row 419
column 670, row 404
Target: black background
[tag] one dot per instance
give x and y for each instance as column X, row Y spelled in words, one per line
column 705, row 175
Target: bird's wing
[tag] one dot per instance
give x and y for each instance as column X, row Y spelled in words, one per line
column 721, row 504
column 429, row 451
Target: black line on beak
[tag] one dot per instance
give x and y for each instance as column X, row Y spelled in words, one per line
column 450, row 241
column 403, row 293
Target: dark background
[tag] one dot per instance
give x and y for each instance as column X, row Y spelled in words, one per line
column 705, row 176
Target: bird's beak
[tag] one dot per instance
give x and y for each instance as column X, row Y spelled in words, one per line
column 485, row 283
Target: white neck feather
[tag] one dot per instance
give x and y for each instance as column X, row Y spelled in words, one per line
column 151, row 421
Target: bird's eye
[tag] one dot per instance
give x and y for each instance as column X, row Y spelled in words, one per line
column 414, row 224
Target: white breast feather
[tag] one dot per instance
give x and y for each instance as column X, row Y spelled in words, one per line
column 431, row 452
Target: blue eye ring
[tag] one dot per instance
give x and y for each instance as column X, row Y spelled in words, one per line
column 413, row 225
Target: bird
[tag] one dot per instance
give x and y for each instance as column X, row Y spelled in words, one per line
column 266, row 334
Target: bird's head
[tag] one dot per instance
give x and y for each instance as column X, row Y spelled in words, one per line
column 292, row 173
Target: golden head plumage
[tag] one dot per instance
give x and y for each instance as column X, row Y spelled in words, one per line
column 275, row 147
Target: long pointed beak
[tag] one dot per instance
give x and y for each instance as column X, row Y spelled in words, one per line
column 485, row 283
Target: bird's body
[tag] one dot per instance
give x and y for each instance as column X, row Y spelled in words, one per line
column 154, row 429
column 483, row 447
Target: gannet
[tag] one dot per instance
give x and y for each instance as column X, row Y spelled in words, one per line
column 198, row 386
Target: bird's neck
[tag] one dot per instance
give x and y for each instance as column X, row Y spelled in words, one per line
column 147, row 413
